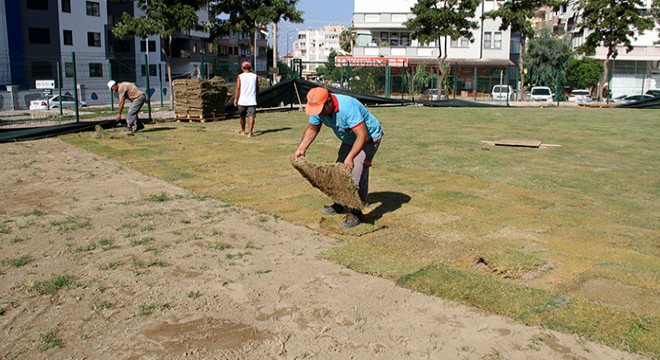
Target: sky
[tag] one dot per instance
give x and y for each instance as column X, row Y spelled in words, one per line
column 317, row 13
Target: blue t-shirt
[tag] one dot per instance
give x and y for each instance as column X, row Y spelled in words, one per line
column 349, row 113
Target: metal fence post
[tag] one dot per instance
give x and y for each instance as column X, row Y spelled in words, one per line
column 160, row 82
column 75, row 86
column 146, row 66
column 59, row 84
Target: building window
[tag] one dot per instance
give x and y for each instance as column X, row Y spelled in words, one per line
column 42, row 70
column 488, row 40
column 463, row 42
column 39, row 36
column 93, row 8
column 150, row 43
column 497, row 44
column 405, row 39
column 224, row 50
column 194, row 48
column 121, row 46
column 37, row 4
column 67, row 37
column 68, row 70
column 95, row 70
column 93, row 39
column 66, row 6
column 374, row 18
column 153, row 70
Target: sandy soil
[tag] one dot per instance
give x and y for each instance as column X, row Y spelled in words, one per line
column 160, row 273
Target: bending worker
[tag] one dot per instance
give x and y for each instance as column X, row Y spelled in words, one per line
column 360, row 134
column 127, row 90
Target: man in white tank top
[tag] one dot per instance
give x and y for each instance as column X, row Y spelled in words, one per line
column 245, row 97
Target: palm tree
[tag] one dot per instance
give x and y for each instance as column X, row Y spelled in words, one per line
column 347, row 40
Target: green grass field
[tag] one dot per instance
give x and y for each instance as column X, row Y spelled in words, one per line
column 564, row 237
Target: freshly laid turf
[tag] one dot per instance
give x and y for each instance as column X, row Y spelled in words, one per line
column 565, row 237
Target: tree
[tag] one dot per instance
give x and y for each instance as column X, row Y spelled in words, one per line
column 584, row 73
column 161, row 17
column 517, row 15
column 611, row 24
column 437, row 22
column 546, row 59
column 249, row 15
column 330, row 71
column 347, row 41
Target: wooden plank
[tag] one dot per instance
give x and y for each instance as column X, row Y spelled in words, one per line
column 518, row 143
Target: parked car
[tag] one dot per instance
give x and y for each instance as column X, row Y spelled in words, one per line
column 541, row 93
column 579, row 96
column 53, row 102
column 634, row 98
column 653, row 92
column 500, row 92
column 434, row 95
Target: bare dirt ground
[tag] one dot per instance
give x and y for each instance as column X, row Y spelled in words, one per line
column 101, row 262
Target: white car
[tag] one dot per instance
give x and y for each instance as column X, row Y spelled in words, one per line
column 580, row 96
column 500, row 92
column 434, row 95
column 541, row 93
column 53, row 102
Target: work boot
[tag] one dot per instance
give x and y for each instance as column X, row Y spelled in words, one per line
column 352, row 219
column 333, row 209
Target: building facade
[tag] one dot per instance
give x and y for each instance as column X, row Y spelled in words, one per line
column 476, row 66
column 631, row 73
column 47, row 35
column 313, row 46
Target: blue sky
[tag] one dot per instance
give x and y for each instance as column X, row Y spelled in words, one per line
column 318, row 13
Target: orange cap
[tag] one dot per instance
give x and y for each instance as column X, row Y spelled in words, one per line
column 316, row 98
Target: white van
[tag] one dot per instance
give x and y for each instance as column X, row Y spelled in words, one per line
column 541, row 93
column 500, row 92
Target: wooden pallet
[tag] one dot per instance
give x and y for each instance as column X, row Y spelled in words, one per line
column 200, row 118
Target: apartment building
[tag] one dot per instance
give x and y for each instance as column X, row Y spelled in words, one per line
column 46, row 33
column 313, row 46
column 381, row 33
column 235, row 48
column 631, row 72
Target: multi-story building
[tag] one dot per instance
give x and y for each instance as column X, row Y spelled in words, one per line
column 381, row 33
column 235, row 48
column 314, row 45
column 47, row 34
column 631, row 72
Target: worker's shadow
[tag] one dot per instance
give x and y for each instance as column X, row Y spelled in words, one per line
column 389, row 202
column 267, row 131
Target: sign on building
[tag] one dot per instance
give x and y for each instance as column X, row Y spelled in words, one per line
column 45, row 84
column 371, row 61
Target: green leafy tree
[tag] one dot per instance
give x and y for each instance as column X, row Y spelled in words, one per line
column 584, row 73
column 517, row 15
column 546, row 59
column 347, row 41
column 440, row 21
column 330, row 71
column 239, row 16
column 368, row 80
column 161, row 17
column 421, row 77
column 611, row 24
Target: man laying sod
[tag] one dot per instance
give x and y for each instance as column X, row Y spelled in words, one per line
column 360, row 134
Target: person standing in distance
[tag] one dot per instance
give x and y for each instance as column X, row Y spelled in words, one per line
column 360, row 135
column 127, row 90
column 245, row 96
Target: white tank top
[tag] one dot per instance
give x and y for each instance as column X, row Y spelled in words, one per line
column 248, row 95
